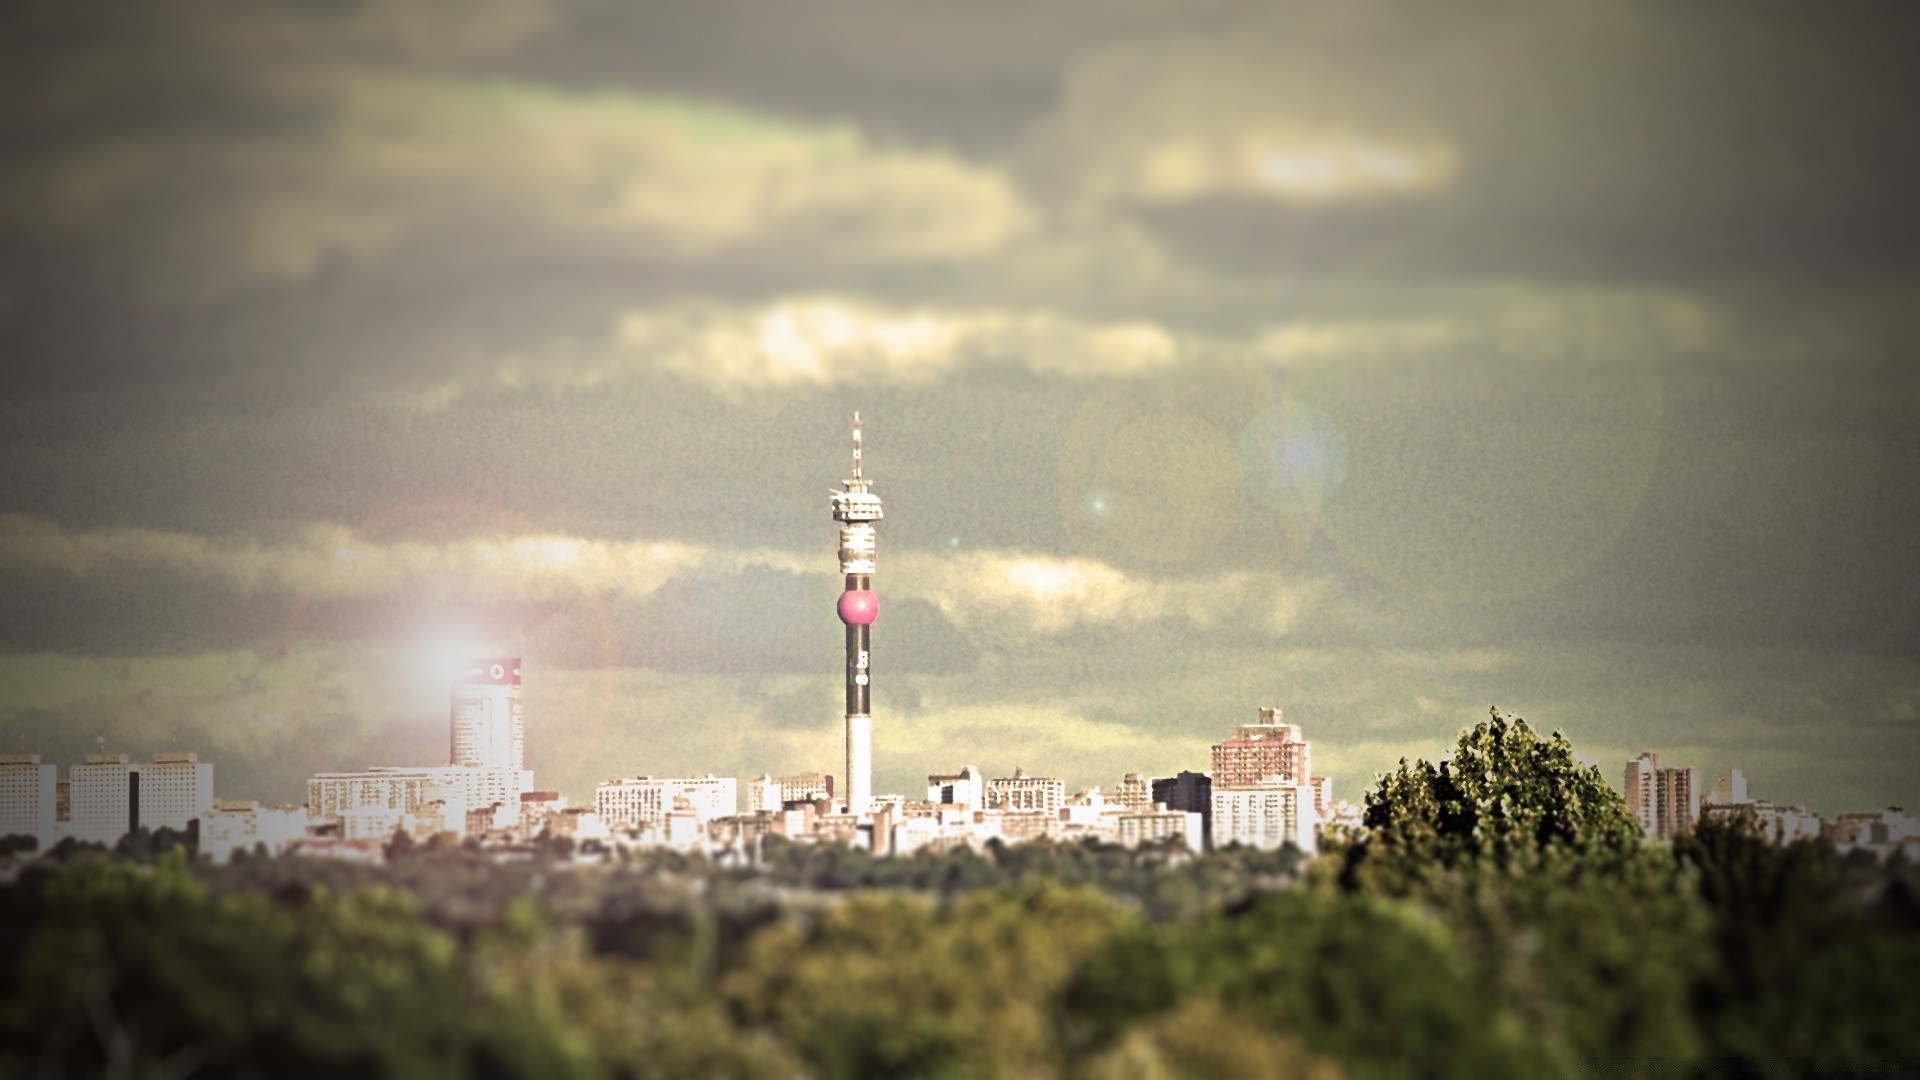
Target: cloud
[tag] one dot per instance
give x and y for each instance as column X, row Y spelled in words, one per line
column 822, row 341
column 1048, row 595
column 368, row 161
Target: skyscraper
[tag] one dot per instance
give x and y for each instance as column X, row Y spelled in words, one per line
column 856, row 509
column 484, row 728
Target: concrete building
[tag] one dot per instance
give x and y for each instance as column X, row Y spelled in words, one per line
column 1729, row 790
column 29, row 798
column 1135, row 792
column 238, row 826
column 1138, row 827
column 966, row 788
column 485, row 727
column 1265, row 816
column 635, row 801
column 105, row 797
column 1023, row 793
column 1881, row 832
column 772, row 793
column 175, row 788
column 1665, row 799
column 1258, row 752
column 486, row 734
column 1322, row 797
column 373, row 803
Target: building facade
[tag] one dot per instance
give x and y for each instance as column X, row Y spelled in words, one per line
column 104, row 797
column 1266, row 816
column 28, row 798
column 635, row 801
column 175, row 788
column 1189, row 791
column 1156, row 822
column 1666, row 800
column 1258, row 752
column 773, row 793
column 1021, row 793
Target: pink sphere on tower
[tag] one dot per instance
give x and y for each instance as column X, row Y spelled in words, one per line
column 858, row 607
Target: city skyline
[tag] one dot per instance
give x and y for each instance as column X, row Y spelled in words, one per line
column 1382, row 365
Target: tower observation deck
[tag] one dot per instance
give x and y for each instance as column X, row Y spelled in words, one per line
column 856, row 509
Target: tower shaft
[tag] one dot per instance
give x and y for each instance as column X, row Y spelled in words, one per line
column 856, row 509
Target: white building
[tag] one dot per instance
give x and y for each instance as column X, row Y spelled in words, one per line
column 485, row 727
column 27, row 798
column 1145, row 826
column 647, row 800
column 175, row 788
column 370, row 805
column 1265, row 816
column 1021, row 793
column 104, row 805
column 773, row 793
column 1135, row 792
column 245, row 826
column 966, row 788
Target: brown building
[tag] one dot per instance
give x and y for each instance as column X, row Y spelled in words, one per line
column 1256, row 753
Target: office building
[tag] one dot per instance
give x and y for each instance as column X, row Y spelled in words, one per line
column 1156, row 822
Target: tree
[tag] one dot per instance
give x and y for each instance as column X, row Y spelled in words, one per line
column 1507, row 802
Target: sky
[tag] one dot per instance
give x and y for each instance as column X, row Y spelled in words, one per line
column 1383, row 362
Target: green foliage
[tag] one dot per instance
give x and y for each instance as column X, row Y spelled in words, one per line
column 1370, row 982
column 897, row 986
column 1508, row 802
column 1806, row 973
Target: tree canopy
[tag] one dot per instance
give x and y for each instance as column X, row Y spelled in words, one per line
column 1505, row 801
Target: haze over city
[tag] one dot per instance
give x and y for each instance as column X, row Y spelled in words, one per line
column 1377, row 363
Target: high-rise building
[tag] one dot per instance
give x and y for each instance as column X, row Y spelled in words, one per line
column 485, row 729
column 28, row 798
column 648, row 800
column 856, row 509
column 1022, row 793
column 1666, row 800
column 1264, row 816
column 1258, row 752
column 1189, row 791
column 175, row 788
column 105, row 797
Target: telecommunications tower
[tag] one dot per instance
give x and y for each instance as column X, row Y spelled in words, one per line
column 856, row 509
